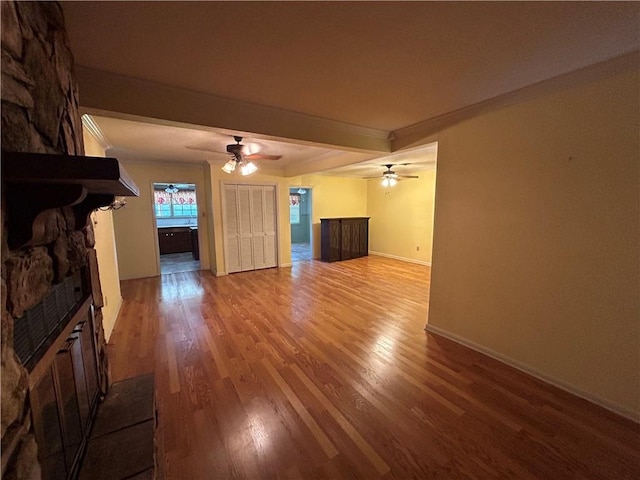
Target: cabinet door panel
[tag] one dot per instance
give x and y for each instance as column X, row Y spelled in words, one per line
column 46, row 423
column 68, row 403
column 344, row 238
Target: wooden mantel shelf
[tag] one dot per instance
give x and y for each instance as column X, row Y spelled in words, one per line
column 96, row 174
column 35, row 182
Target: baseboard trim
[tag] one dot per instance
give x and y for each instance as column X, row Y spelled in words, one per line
column 402, row 259
column 611, row 406
column 284, row 265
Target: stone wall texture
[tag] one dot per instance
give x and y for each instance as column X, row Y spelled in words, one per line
column 39, row 114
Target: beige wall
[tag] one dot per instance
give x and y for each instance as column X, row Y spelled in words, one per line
column 106, row 251
column 135, row 230
column 536, row 237
column 402, row 218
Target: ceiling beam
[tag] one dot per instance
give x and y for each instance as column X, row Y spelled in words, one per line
column 108, row 92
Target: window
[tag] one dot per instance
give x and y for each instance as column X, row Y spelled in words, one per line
column 180, row 204
column 294, row 208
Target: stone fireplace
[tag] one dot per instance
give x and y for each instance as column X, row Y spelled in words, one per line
column 51, row 298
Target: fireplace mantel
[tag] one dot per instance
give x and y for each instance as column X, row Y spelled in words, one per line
column 35, row 182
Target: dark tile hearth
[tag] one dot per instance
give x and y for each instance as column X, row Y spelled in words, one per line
column 122, row 444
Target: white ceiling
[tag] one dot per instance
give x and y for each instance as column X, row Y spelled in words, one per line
column 137, row 140
column 381, row 65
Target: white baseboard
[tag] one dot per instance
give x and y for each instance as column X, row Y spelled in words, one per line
column 402, row 259
column 614, row 407
column 219, row 274
column 284, row 265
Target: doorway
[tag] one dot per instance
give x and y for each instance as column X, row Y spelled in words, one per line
column 300, row 219
column 176, row 215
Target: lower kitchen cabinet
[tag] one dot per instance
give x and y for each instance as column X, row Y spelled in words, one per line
column 174, row 240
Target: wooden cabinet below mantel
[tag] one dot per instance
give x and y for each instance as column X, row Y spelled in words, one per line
column 344, row 238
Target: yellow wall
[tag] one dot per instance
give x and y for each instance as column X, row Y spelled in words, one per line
column 402, row 217
column 106, row 251
column 536, row 255
column 332, row 197
column 135, row 230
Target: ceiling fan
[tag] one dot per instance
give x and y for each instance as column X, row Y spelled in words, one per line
column 390, row 178
column 241, row 155
column 238, row 150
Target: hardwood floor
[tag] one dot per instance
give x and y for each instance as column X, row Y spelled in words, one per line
column 324, row 371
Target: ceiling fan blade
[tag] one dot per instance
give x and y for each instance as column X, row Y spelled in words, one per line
column 260, row 156
column 408, row 176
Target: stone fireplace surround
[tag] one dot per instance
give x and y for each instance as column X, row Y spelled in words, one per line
column 39, row 115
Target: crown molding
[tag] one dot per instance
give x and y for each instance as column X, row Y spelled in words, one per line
column 95, row 131
column 418, row 133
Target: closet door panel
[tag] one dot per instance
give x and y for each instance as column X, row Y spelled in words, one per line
column 231, row 229
column 257, row 224
column 246, row 234
column 270, row 252
column 270, row 245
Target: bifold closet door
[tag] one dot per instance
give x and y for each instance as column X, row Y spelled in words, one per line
column 250, row 227
column 231, row 229
column 263, row 216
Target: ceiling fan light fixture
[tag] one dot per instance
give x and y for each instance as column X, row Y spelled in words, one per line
column 230, row 166
column 301, row 191
column 388, row 181
column 248, row 168
column 171, row 189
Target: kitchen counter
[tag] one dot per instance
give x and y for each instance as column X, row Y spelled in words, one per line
column 177, row 226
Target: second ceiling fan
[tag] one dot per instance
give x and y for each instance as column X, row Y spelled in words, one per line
column 390, row 178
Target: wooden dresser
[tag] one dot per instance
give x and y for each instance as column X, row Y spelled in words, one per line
column 344, row 238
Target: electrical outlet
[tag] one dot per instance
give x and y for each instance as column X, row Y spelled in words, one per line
column 418, row 248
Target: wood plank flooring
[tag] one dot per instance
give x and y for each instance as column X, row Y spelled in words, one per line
column 324, row 371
